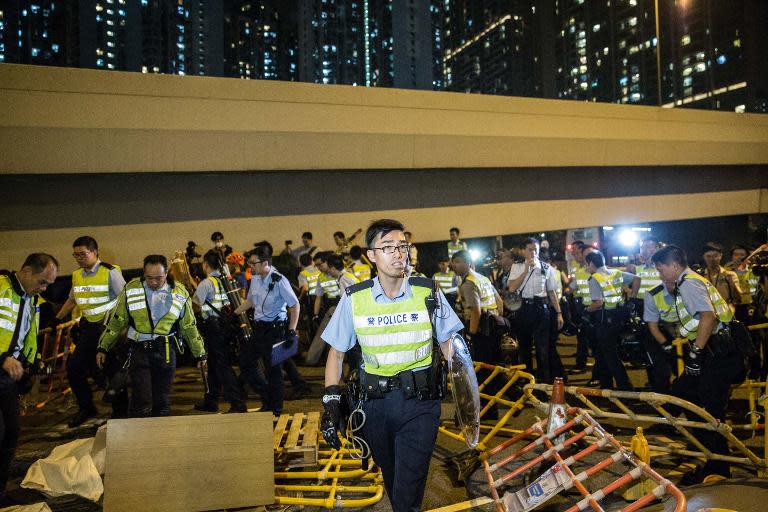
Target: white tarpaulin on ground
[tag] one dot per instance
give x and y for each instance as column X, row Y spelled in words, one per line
column 72, row 468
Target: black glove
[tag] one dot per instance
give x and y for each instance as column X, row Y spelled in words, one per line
column 632, row 308
column 694, row 361
column 291, row 338
column 668, row 348
column 330, row 424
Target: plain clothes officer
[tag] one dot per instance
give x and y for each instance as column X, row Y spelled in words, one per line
column 211, row 297
column 537, row 283
column 714, row 362
column 95, row 287
column 275, row 314
column 389, row 318
column 158, row 313
column 19, row 316
column 607, row 316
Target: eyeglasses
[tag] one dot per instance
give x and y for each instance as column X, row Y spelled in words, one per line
column 390, row 249
column 254, row 263
column 83, row 254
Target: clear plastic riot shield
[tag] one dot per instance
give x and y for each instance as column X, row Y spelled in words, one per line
column 466, row 396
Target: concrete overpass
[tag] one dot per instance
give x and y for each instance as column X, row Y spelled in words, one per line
column 146, row 162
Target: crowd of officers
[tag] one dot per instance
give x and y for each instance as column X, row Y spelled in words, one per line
column 135, row 330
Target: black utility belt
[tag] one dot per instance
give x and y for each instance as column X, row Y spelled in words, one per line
column 536, row 301
column 421, row 384
column 273, row 323
column 156, row 343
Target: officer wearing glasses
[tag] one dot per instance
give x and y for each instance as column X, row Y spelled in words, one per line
column 389, row 316
column 275, row 314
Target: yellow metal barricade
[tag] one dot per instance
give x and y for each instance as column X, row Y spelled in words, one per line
column 311, row 474
column 510, row 376
column 620, row 408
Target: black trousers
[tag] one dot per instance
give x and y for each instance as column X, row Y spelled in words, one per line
column 535, row 327
column 151, row 372
column 259, row 350
column 487, row 349
column 401, row 433
column 82, row 363
column 711, row 390
column 9, row 425
column 608, row 365
column 662, row 364
column 221, row 376
column 583, row 336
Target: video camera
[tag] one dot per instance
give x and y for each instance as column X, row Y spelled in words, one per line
column 760, row 264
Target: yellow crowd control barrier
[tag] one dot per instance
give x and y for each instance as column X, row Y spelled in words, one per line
column 54, row 347
column 310, row 474
column 618, row 406
column 502, row 378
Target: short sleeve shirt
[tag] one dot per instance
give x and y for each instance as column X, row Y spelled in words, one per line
column 271, row 303
column 340, row 332
column 538, row 283
column 596, row 293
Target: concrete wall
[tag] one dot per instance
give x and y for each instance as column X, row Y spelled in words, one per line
column 146, row 162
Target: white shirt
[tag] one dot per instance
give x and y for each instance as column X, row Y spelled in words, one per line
column 539, row 282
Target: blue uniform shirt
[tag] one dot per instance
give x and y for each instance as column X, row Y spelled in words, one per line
column 694, row 294
column 340, row 332
column 269, row 305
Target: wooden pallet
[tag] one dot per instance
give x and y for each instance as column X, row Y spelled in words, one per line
column 299, row 449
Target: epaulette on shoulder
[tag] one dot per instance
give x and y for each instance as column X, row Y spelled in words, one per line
column 107, row 266
column 276, row 277
column 368, row 283
column 421, row 281
column 656, row 289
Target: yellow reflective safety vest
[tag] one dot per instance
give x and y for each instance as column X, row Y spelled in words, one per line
column 329, row 285
column 689, row 326
column 581, row 290
column 486, row 291
column 362, row 271
column 667, row 312
column 748, row 282
column 453, row 248
column 219, row 299
column 559, row 279
column 312, row 278
column 446, row 282
column 10, row 314
column 649, row 278
column 91, row 292
column 396, row 336
column 610, row 284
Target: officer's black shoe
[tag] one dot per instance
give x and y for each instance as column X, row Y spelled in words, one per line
column 81, row 416
column 236, row 408
column 206, row 407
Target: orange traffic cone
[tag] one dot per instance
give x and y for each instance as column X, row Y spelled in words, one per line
column 558, row 414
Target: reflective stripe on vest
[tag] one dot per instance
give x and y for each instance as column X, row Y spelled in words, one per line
column 395, row 336
column 312, row 279
column 559, row 286
column 649, row 279
column 486, row 290
column 582, row 286
column 445, row 280
column 136, row 302
column 689, row 325
column 329, row 285
column 91, row 293
column 10, row 304
column 453, row 248
column 610, row 285
column 219, row 299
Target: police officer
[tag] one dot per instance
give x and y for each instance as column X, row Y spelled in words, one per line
column 275, row 314
column 455, row 245
column 662, row 321
column 646, row 270
column 714, row 361
column 360, row 269
column 447, row 280
column 579, row 285
column 95, row 287
column 390, row 318
column 158, row 314
column 211, row 297
column 308, row 279
column 333, row 281
column 607, row 316
column 725, row 281
column 19, row 317
column 537, row 283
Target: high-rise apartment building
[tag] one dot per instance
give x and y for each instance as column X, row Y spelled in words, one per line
column 35, row 32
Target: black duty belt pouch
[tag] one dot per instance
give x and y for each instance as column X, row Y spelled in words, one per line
column 418, row 384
